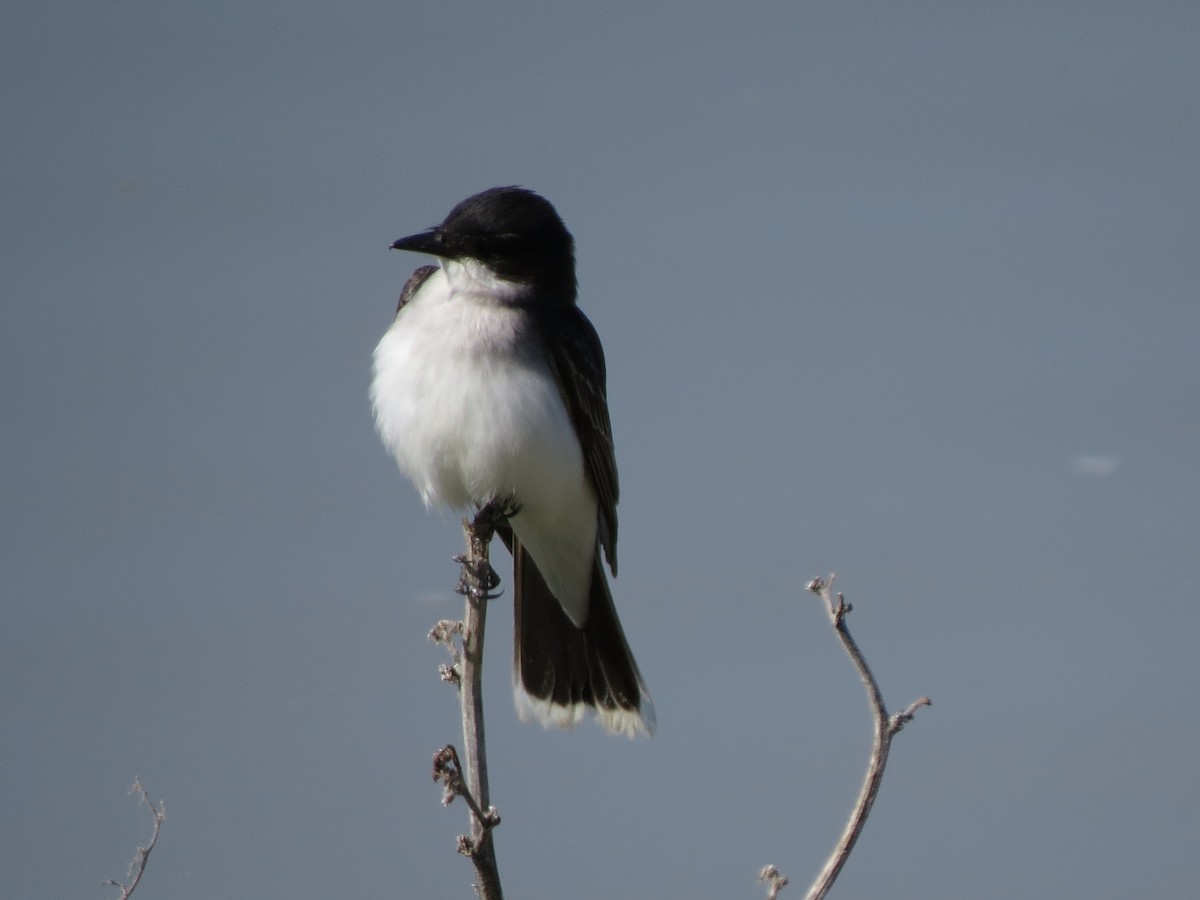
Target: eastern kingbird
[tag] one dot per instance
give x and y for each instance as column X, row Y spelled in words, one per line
column 490, row 387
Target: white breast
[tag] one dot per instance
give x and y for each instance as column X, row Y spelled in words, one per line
column 472, row 413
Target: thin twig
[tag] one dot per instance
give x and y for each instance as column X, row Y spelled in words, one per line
column 886, row 728
column 466, row 671
column 138, row 865
column 447, row 771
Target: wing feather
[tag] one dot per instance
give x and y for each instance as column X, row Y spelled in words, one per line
column 415, row 280
column 577, row 358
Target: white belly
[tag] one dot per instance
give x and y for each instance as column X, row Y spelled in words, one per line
column 470, row 418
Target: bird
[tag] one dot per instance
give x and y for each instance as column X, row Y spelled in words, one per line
column 488, row 388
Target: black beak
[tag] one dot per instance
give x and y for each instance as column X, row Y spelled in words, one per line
column 430, row 242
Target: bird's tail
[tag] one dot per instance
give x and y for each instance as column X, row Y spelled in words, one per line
column 561, row 670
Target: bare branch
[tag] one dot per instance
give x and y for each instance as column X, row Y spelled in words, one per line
column 466, row 672
column 886, row 727
column 138, row 865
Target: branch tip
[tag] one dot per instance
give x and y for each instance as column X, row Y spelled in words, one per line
column 820, row 585
column 137, row 866
column 776, row 880
column 886, row 727
column 906, row 715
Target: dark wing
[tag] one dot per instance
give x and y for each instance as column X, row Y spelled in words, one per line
column 415, row 280
column 577, row 360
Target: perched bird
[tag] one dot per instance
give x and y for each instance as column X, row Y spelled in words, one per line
column 489, row 387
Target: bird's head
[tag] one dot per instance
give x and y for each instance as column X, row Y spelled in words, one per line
column 514, row 232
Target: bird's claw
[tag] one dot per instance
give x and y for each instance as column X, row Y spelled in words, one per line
column 477, row 580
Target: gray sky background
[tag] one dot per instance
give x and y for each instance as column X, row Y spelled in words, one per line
column 904, row 291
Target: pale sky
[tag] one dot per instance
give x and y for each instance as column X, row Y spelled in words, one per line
column 909, row 292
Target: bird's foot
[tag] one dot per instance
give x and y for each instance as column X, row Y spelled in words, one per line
column 478, row 579
column 493, row 514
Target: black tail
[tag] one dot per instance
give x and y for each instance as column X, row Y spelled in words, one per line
column 561, row 670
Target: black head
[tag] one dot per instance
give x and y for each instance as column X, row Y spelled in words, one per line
column 513, row 231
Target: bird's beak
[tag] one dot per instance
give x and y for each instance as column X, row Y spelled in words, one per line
column 430, row 242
